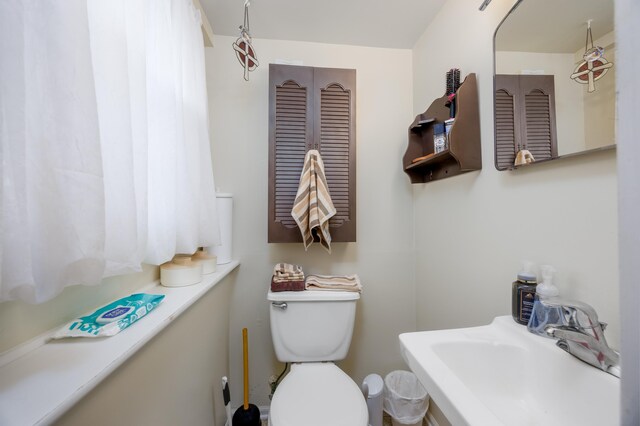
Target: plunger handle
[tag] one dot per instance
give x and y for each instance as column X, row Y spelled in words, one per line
column 245, row 365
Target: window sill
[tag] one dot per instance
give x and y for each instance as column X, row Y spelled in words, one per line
column 40, row 381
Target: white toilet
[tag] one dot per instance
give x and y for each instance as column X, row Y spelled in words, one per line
column 311, row 329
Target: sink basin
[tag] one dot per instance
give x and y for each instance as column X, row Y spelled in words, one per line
column 500, row 374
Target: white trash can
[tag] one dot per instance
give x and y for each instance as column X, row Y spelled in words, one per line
column 405, row 399
column 372, row 386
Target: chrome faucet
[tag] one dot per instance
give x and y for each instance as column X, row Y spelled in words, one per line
column 581, row 334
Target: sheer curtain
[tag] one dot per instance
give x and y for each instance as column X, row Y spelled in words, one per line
column 104, row 143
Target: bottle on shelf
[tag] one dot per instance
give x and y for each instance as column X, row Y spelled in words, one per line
column 523, row 293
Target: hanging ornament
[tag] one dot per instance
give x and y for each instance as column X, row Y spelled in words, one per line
column 244, row 50
column 594, row 66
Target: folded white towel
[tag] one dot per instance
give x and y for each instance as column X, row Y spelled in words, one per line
column 313, row 207
column 332, row 282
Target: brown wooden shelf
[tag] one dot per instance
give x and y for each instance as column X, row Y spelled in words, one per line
column 430, row 160
column 463, row 154
column 419, row 124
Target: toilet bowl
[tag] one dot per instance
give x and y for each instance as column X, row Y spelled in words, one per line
column 318, row 394
column 311, row 329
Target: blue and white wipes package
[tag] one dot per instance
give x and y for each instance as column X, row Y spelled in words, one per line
column 112, row 318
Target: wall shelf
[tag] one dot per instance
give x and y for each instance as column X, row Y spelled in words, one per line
column 422, row 123
column 464, row 153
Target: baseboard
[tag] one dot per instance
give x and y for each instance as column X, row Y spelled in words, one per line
column 264, row 414
column 431, row 421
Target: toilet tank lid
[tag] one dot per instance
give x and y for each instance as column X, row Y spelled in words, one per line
column 312, row 296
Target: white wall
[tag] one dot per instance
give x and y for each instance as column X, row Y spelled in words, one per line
column 570, row 115
column 562, row 212
column 383, row 255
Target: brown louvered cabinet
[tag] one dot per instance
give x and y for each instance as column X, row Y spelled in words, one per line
column 463, row 155
column 525, row 118
column 311, row 108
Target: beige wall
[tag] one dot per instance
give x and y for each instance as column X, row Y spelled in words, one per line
column 600, row 106
column 473, row 230
column 383, row 255
column 175, row 379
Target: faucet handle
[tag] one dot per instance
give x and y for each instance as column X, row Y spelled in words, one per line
column 576, row 314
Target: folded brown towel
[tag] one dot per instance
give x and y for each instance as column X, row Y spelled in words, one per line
column 287, row 285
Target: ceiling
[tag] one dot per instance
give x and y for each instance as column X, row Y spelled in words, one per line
column 375, row 23
column 554, row 26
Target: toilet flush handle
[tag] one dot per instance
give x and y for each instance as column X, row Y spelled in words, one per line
column 279, row 305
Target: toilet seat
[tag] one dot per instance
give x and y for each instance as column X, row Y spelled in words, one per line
column 318, row 394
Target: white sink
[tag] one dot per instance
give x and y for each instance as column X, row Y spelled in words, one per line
column 500, row 374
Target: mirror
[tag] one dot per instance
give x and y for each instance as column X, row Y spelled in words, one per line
column 554, row 89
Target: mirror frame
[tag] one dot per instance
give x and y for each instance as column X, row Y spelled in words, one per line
column 493, row 94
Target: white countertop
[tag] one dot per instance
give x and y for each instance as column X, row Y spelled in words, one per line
column 40, row 382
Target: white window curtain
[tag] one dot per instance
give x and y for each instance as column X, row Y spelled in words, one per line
column 104, row 143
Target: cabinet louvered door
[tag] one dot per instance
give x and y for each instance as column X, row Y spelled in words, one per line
column 311, row 108
column 525, row 118
column 506, row 121
column 290, row 136
column 334, row 135
column 538, row 114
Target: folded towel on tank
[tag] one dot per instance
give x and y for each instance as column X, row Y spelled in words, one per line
column 287, row 272
column 287, row 277
column 335, row 283
column 313, row 207
column 287, row 285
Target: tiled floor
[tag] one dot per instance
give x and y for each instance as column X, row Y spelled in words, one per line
column 386, row 421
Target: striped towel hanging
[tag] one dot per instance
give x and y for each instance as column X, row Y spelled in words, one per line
column 313, row 207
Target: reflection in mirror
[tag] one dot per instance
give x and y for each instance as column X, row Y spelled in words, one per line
column 554, row 80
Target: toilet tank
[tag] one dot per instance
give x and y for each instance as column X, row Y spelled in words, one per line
column 312, row 326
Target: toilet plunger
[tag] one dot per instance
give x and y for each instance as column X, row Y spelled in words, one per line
column 247, row 414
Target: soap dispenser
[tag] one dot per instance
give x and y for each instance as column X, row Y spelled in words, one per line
column 523, row 294
column 543, row 314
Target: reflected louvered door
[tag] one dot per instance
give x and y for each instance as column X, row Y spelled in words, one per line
column 334, row 136
column 290, row 136
column 506, row 121
column 525, row 118
column 538, row 115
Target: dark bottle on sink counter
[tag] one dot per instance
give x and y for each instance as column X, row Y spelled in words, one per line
column 523, row 294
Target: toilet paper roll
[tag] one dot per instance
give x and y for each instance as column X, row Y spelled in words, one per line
column 208, row 261
column 180, row 272
column 225, row 213
column 182, row 259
